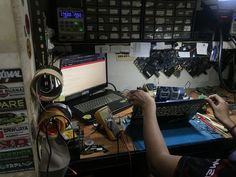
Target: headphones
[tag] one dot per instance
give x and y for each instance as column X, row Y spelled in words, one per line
column 47, row 83
column 54, row 119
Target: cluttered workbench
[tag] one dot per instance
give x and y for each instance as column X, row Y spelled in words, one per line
column 201, row 136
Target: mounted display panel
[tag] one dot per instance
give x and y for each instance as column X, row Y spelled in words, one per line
column 70, row 24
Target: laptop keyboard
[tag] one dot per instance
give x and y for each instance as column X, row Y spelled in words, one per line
column 179, row 108
column 97, row 102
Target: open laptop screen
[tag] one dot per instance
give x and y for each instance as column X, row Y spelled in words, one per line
column 83, row 75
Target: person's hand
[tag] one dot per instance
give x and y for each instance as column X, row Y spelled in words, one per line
column 141, row 98
column 220, row 108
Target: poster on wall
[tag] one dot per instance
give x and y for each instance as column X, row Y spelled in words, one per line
column 12, row 104
column 11, row 75
column 11, row 90
column 17, row 160
column 15, row 143
column 14, row 131
column 13, row 118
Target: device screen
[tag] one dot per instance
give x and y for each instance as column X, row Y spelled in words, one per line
column 233, row 27
column 83, row 75
column 70, row 14
column 105, row 114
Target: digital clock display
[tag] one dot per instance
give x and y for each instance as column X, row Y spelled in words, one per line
column 70, row 14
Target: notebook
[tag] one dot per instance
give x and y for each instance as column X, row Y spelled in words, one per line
column 85, row 82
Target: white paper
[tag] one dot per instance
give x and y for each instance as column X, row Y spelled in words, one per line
column 124, row 49
column 178, row 45
column 115, row 48
column 202, row 48
column 102, row 49
column 159, row 46
column 184, row 54
column 162, row 46
column 140, row 49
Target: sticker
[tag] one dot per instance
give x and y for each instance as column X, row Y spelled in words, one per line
column 14, row 131
column 69, row 134
column 12, row 118
column 10, row 144
column 17, row 160
column 12, row 104
column 28, row 47
column 10, row 91
column 87, row 116
column 10, row 75
column 27, row 24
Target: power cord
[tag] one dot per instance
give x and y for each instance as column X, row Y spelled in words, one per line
column 122, row 137
column 113, row 86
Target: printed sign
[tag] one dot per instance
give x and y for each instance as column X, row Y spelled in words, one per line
column 11, row 144
column 12, row 104
column 14, row 131
column 10, row 75
column 10, row 92
column 17, row 160
column 10, row 118
column 16, row 166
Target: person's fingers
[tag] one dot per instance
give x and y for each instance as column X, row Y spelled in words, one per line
column 212, row 104
column 130, row 92
column 216, row 98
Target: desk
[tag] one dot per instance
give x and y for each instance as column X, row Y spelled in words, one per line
column 112, row 163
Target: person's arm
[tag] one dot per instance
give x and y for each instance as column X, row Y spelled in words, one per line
column 221, row 112
column 162, row 163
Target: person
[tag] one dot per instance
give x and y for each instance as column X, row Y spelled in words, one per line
column 162, row 163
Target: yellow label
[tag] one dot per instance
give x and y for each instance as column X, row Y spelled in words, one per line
column 69, row 134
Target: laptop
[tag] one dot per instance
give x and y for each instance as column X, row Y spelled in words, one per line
column 172, row 106
column 179, row 107
column 85, row 82
column 173, row 112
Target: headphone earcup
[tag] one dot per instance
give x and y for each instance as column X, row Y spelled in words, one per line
column 47, row 83
column 51, row 121
column 62, row 107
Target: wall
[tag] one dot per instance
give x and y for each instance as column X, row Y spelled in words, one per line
column 8, row 45
column 125, row 75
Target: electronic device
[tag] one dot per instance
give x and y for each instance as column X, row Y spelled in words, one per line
column 233, row 25
column 83, row 75
column 105, row 118
column 47, row 83
column 179, row 107
column 169, row 93
column 85, row 85
column 174, row 111
column 70, row 22
column 54, row 119
column 150, row 88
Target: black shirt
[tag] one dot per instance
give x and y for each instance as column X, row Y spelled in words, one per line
column 197, row 167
